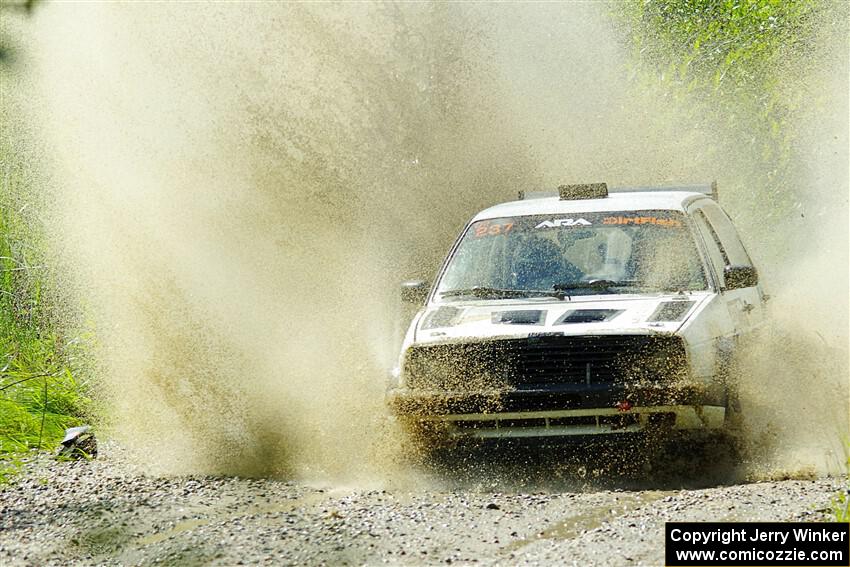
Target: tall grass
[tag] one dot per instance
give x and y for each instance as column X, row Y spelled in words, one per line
column 40, row 394
column 841, row 502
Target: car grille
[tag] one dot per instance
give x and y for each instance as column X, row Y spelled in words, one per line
column 546, row 361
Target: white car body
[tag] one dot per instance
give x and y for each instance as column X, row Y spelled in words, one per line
column 708, row 323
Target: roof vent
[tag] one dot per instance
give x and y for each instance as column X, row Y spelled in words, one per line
column 583, row 191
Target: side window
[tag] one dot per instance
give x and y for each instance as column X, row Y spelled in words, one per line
column 716, row 252
column 728, row 236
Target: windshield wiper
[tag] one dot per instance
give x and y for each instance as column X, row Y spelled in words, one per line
column 484, row 292
column 565, row 288
column 596, row 284
column 499, row 293
column 559, row 291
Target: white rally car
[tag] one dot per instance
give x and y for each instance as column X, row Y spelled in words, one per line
column 581, row 312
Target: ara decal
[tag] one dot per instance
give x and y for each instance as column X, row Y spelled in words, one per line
column 563, row 222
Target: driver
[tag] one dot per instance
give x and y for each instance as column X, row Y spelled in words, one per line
column 539, row 264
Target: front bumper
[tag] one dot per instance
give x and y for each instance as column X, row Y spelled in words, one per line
column 559, row 412
column 583, row 422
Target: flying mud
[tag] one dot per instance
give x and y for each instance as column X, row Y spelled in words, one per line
column 243, row 187
column 235, row 192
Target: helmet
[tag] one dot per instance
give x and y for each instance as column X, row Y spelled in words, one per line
column 539, row 264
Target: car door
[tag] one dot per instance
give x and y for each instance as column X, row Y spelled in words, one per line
column 725, row 249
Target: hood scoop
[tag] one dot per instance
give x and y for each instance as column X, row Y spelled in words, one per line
column 524, row 317
column 588, row 316
column 671, row 311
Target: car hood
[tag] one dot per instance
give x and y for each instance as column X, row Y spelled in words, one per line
column 593, row 314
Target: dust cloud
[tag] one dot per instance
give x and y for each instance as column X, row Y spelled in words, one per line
column 798, row 386
column 242, row 187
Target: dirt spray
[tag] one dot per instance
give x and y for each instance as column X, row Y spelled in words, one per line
column 242, row 187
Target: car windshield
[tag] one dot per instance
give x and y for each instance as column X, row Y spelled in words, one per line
column 586, row 253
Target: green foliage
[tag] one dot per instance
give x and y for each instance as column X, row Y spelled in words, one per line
column 9, row 467
column 39, row 394
column 738, row 67
column 724, row 44
column 841, row 502
column 841, row 506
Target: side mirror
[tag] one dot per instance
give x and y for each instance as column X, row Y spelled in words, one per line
column 737, row 277
column 414, row 291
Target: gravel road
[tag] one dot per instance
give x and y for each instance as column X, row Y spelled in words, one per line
column 107, row 512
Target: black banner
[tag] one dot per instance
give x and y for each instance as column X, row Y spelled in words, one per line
column 761, row 544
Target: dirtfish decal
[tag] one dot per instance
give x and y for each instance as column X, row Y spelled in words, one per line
column 563, row 222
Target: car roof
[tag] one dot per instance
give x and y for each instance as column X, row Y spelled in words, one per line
column 621, row 200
